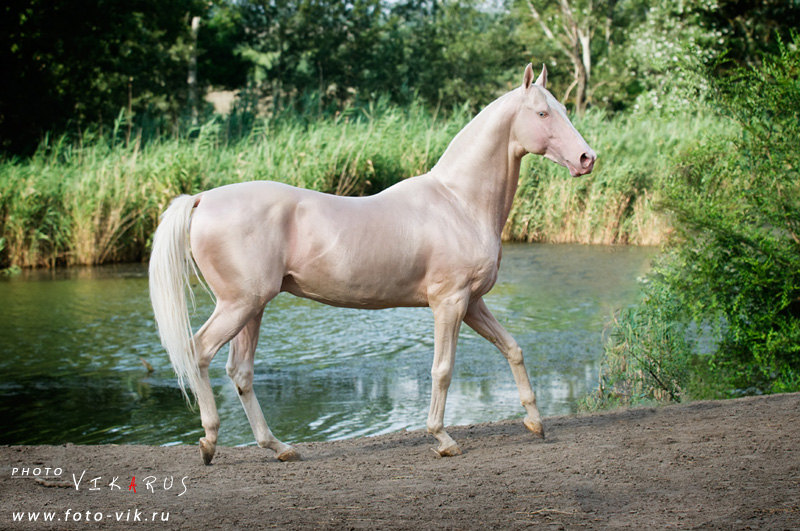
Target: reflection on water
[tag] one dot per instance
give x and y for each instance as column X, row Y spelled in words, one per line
column 72, row 344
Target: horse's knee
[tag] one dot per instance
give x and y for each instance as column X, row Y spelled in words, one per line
column 514, row 355
column 442, row 376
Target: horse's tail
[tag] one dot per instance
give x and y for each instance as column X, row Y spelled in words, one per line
column 171, row 265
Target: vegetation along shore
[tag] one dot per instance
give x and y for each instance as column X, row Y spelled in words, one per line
column 98, row 200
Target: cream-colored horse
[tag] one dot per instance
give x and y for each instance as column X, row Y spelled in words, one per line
column 431, row 240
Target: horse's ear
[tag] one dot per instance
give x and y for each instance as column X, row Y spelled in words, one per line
column 542, row 79
column 527, row 79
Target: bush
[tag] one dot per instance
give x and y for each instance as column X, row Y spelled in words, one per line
column 732, row 270
column 630, row 373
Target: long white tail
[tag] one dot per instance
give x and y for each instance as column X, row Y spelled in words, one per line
column 171, row 266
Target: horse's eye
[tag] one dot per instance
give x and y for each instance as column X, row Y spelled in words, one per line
column 542, row 114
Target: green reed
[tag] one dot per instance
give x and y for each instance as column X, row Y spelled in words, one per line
column 97, row 198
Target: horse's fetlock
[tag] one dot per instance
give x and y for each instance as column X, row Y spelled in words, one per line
column 528, row 402
column 212, row 430
column 434, row 427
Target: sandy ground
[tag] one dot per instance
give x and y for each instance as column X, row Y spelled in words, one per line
column 728, row 464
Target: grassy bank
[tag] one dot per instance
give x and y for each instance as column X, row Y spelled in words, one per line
column 97, row 199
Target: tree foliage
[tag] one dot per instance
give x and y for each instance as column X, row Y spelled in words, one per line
column 444, row 52
column 737, row 205
column 80, row 61
column 76, row 64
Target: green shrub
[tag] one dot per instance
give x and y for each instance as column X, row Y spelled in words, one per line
column 630, row 373
column 732, row 273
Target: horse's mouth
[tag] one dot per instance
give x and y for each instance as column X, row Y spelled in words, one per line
column 577, row 172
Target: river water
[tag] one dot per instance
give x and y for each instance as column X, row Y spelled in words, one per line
column 73, row 345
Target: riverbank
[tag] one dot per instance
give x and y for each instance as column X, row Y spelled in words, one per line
column 723, row 464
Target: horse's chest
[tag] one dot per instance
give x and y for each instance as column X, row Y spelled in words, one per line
column 457, row 272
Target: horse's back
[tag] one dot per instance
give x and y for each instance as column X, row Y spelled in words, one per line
column 260, row 236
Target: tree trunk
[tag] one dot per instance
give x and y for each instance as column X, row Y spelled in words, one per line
column 585, row 69
column 575, row 42
column 191, row 79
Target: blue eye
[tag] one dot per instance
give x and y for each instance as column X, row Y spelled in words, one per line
column 542, row 114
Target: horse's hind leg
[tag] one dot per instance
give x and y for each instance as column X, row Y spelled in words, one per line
column 240, row 371
column 480, row 319
column 221, row 327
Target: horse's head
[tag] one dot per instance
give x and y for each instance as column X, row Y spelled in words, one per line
column 542, row 127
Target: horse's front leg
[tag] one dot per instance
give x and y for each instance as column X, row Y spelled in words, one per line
column 447, row 315
column 480, row 319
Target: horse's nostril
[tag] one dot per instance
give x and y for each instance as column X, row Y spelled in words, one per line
column 587, row 161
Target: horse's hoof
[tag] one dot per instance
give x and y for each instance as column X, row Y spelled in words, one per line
column 535, row 427
column 207, row 450
column 450, row 451
column 289, row 455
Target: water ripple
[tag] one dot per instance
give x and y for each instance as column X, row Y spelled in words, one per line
column 72, row 344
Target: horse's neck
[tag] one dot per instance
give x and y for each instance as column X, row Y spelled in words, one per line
column 480, row 168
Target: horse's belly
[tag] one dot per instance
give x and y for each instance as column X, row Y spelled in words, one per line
column 356, row 291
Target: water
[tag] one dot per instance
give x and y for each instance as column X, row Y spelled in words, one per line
column 72, row 344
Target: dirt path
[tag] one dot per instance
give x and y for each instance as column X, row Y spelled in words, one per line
column 728, row 464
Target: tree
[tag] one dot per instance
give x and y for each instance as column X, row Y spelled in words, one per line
column 478, row 57
column 673, row 41
column 222, row 32
column 750, row 28
column 80, row 61
column 575, row 23
column 445, row 52
column 731, row 274
column 305, row 46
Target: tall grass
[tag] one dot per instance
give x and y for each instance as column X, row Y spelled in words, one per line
column 97, row 199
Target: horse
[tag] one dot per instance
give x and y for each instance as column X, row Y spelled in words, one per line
column 431, row 240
